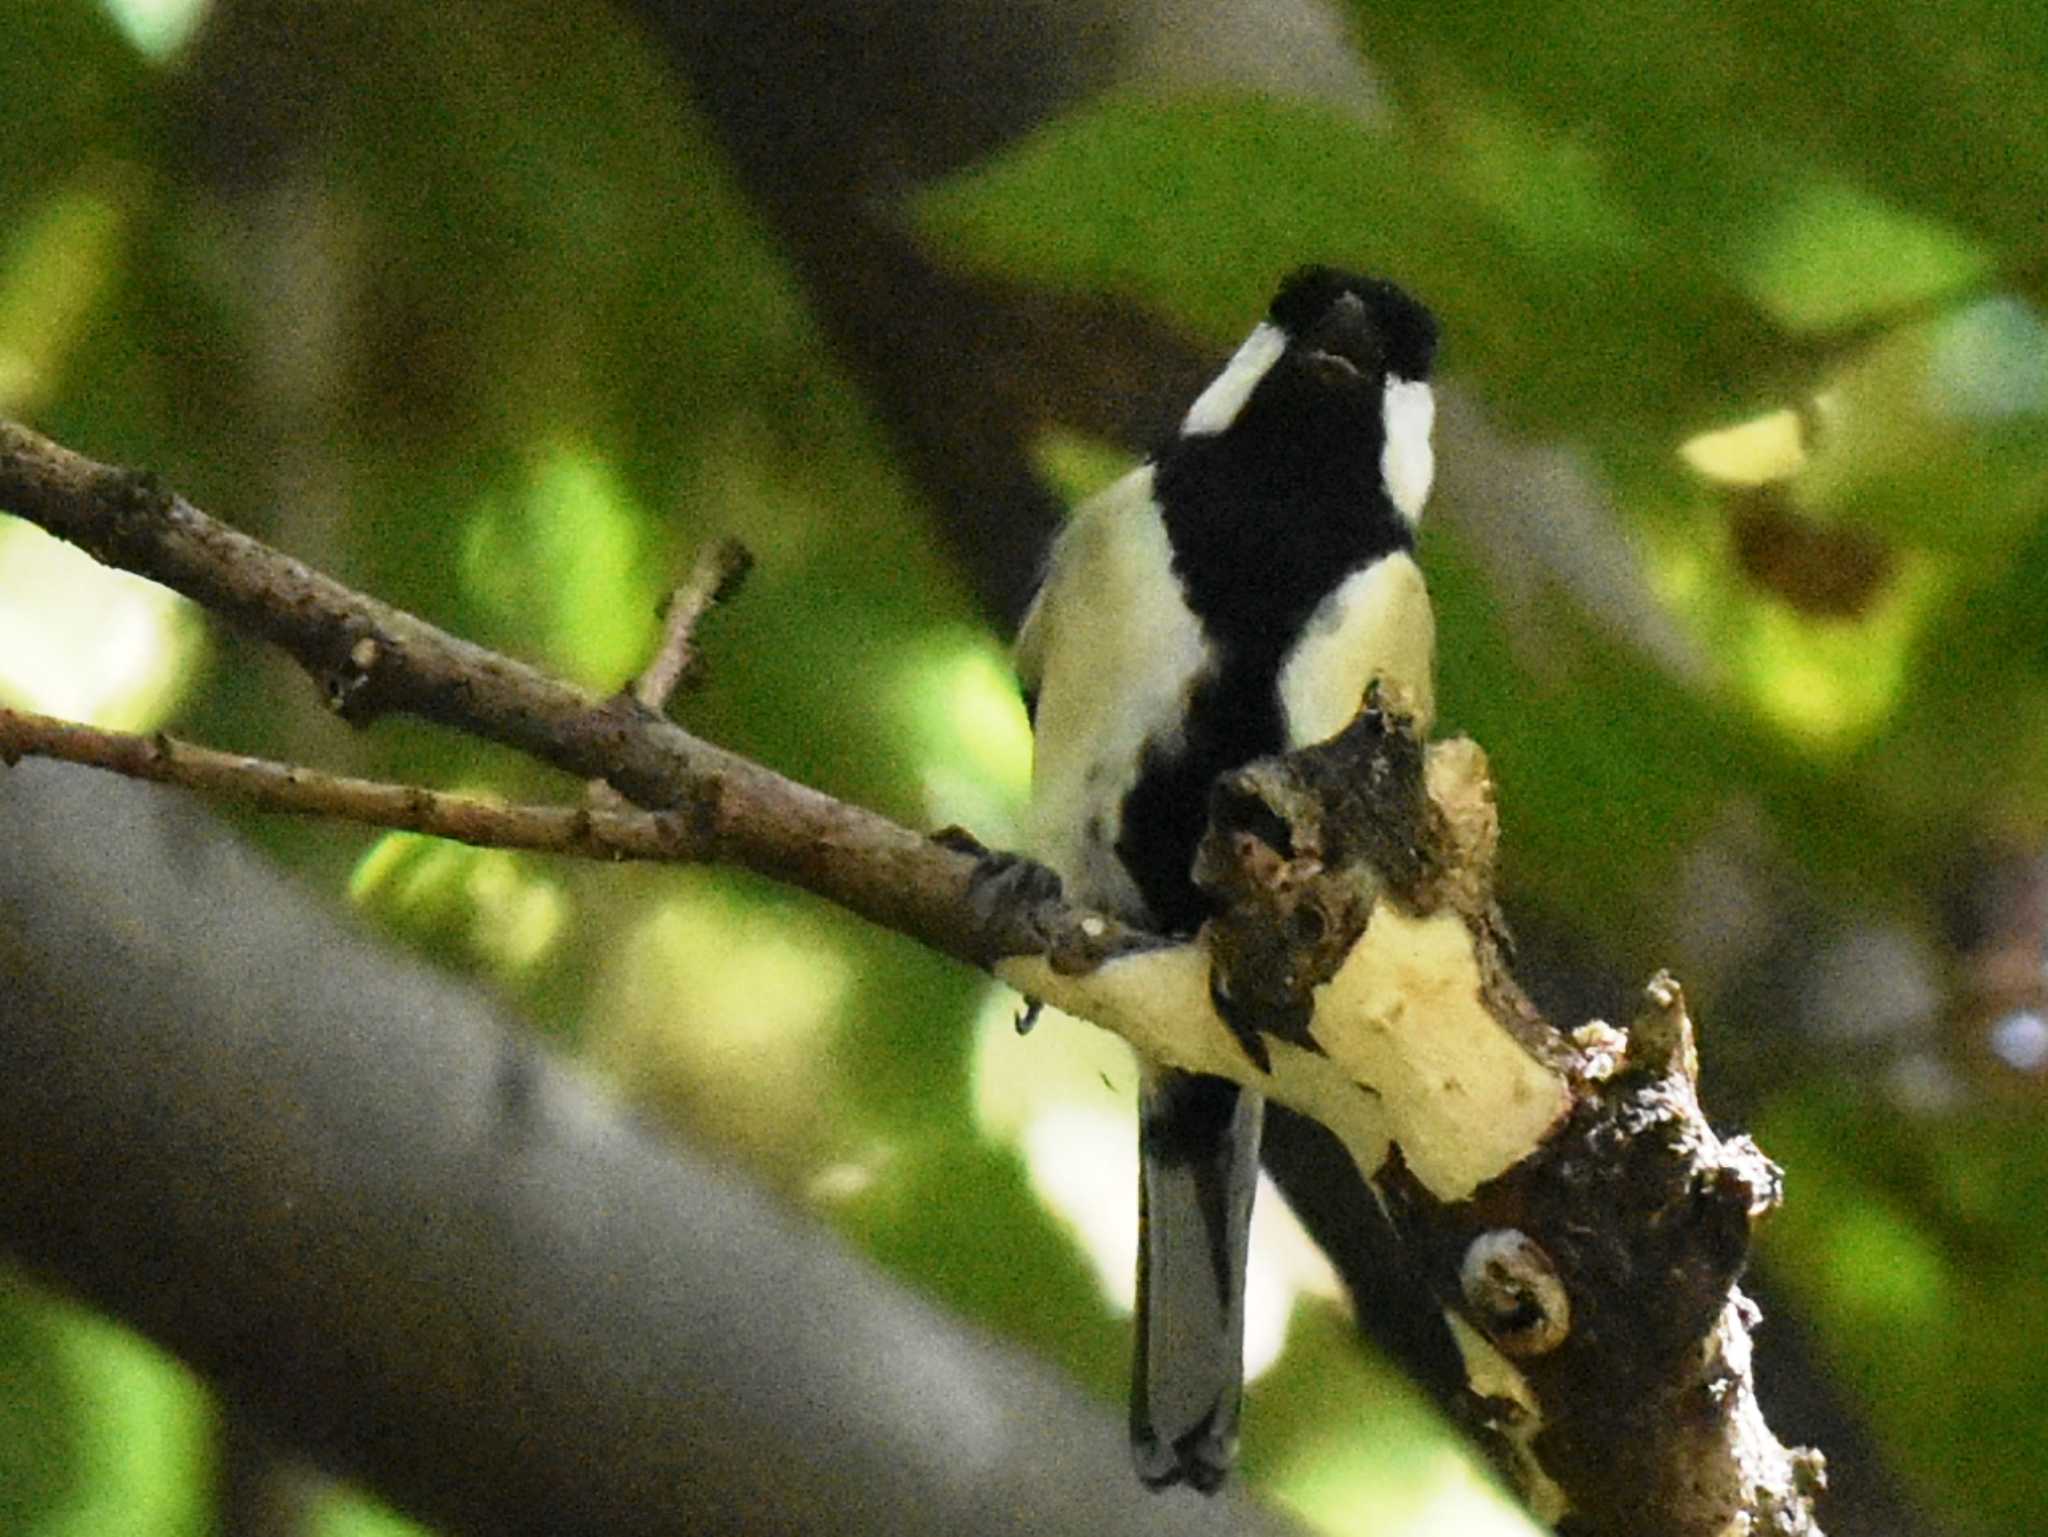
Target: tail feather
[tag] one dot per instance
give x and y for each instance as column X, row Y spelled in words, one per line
column 1199, row 1157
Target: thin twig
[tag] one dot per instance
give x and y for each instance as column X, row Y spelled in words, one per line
column 269, row 785
column 715, row 579
column 717, row 576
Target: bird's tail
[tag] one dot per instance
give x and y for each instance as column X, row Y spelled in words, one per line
column 1199, row 1168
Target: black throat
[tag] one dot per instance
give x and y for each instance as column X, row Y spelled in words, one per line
column 1265, row 520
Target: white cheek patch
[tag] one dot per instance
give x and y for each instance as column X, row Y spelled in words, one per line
column 1217, row 406
column 1408, row 463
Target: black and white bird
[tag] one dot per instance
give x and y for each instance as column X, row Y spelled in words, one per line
column 1230, row 598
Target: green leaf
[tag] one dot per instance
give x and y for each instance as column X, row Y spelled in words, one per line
column 1556, row 306
column 1702, row 110
column 1834, row 254
column 1193, row 206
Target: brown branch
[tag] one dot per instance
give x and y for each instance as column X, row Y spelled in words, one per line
column 374, row 659
column 294, row 790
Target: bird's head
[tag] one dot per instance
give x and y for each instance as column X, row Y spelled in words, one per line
column 1341, row 359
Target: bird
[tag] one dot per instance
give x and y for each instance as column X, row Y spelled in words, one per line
column 1231, row 597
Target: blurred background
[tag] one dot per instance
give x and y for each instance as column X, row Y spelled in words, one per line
column 500, row 312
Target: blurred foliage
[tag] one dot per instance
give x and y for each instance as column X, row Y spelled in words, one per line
column 100, row 1436
column 469, row 312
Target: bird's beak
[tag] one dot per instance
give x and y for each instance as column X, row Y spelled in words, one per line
column 1344, row 343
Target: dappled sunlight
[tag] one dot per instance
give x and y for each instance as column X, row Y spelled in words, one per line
column 507, row 911
column 157, row 28
column 1825, row 683
column 1083, row 1163
column 723, row 1010
column 85, row 642
column 1829, row 685
column 1940, row 433
column 566, row 561
column 1061, row 1061
column 1764, row 448
column 519, row 913
column 139, row 1420
column 974, row 744
column 57, row 262
column 1347, row 1484
column 1948, row 415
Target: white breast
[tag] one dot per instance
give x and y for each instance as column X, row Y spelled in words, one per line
column 1377, row 624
